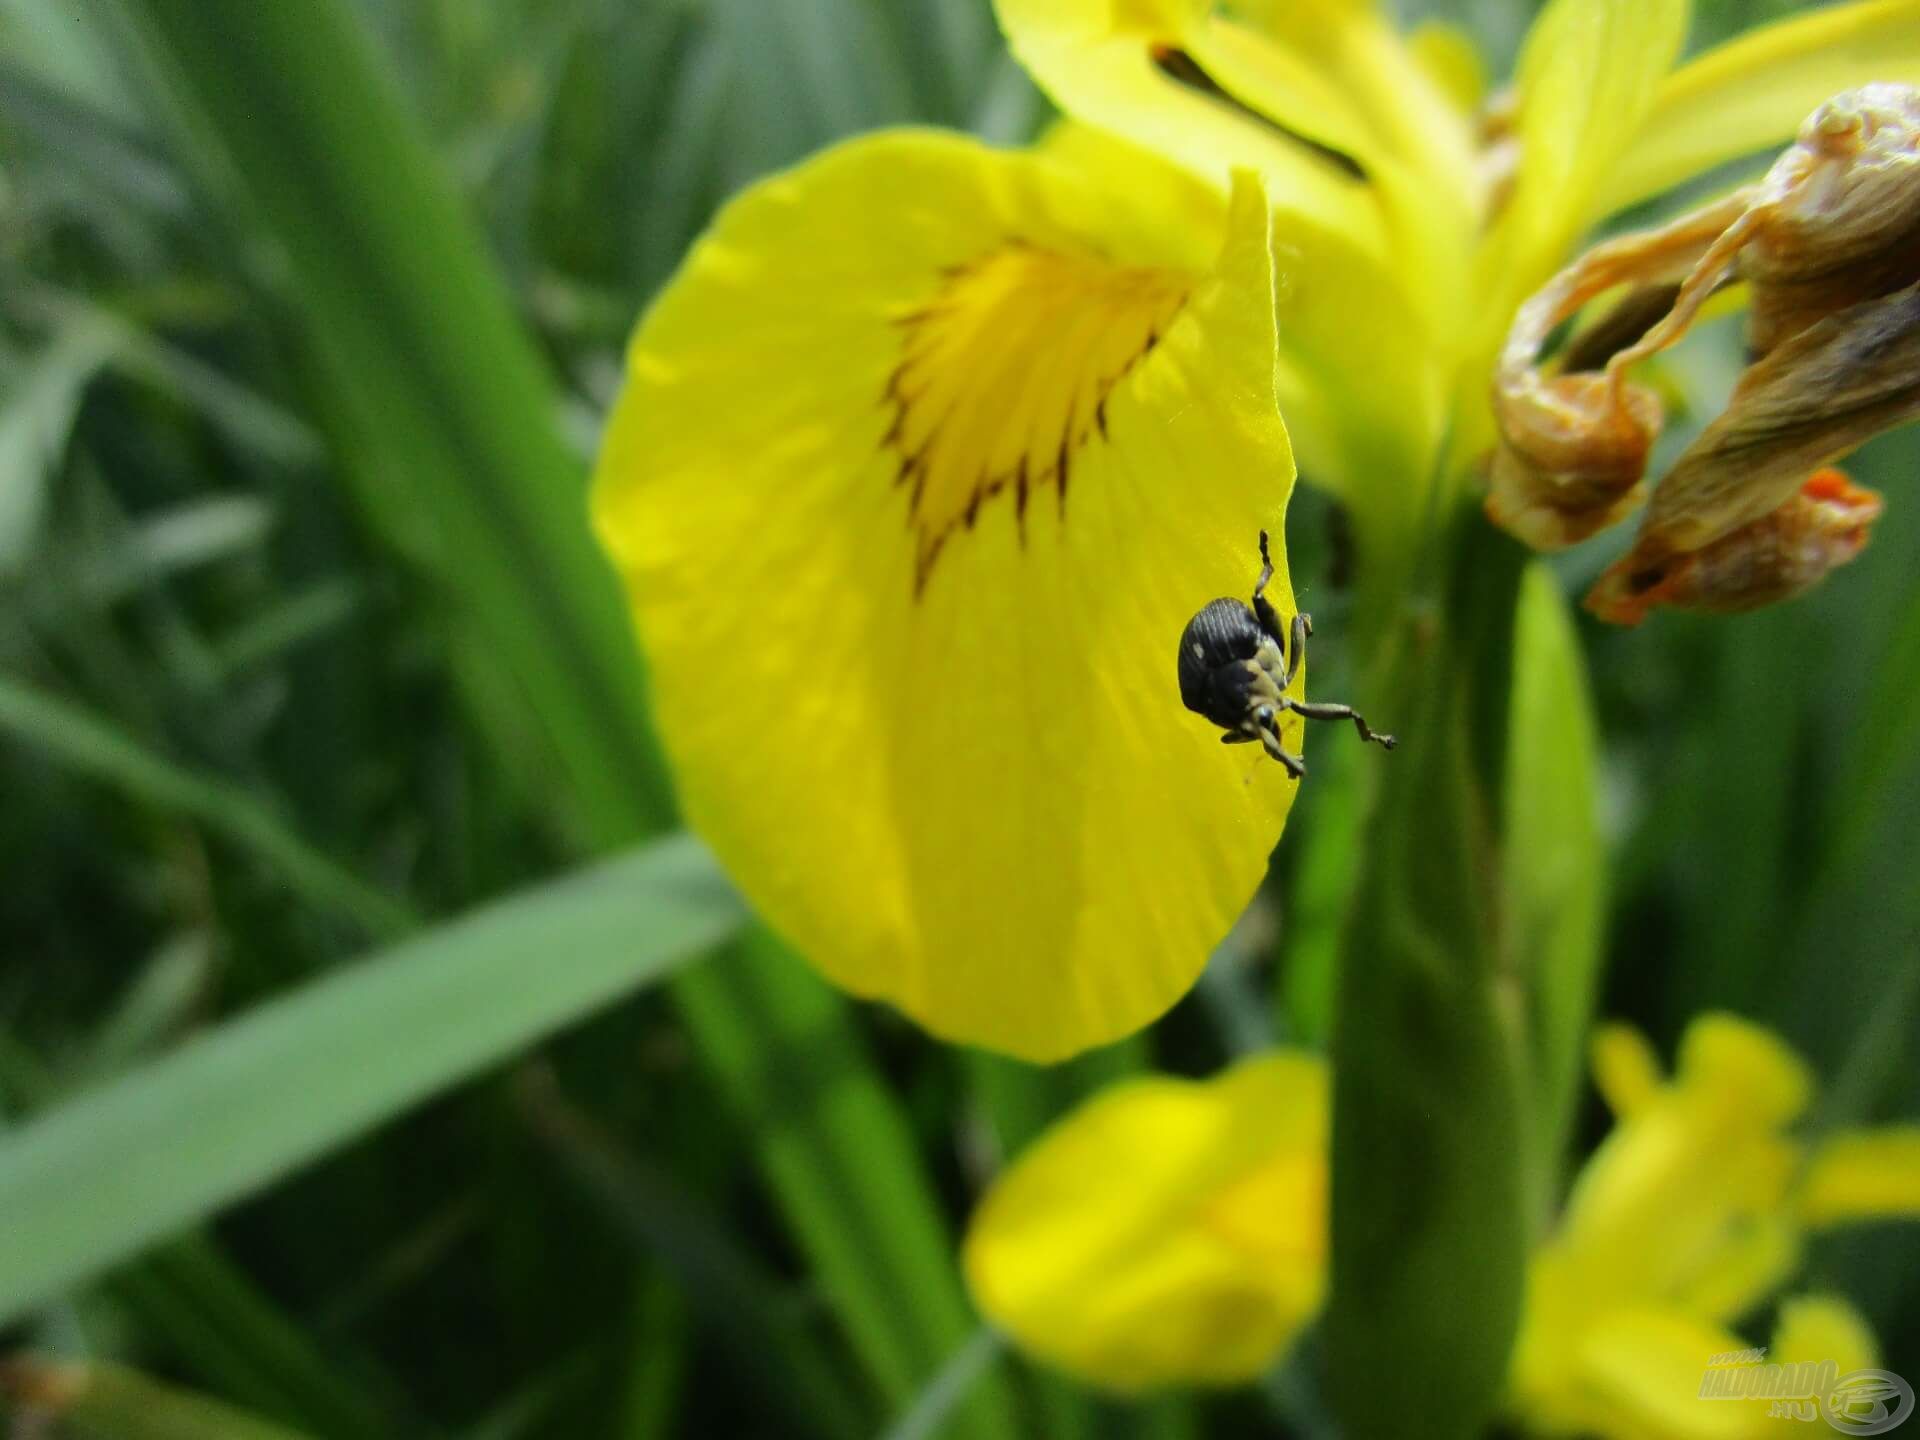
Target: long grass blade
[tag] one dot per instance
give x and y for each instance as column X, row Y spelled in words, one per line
column 217, row 1323
column 934, row 1409
column 432, row 397
column 838, row 1153
column 100, row 1177
column 755, row 1316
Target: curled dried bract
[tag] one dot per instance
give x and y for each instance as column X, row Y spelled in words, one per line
column 1785, row 552
column 1573, row 446
column 1829, row 244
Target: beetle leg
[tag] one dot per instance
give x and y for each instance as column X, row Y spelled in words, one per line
column 1267, row 721
column 1263, row 610
column 1237, row 737
column 1341, row 712
column 1297, row 647
column 1295, row 766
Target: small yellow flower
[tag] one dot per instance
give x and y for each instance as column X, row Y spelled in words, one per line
column 1169, row 1231
column 1175, row 1232
column 929, row 451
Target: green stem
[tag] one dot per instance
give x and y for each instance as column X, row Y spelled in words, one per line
column 1429, row 1229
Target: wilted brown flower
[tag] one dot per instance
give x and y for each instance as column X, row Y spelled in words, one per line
column 1829, row 245
column 1786, row 551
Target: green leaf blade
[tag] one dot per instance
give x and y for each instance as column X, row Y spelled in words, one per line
column 94, row 1181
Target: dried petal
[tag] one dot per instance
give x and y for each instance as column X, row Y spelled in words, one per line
column 1841, row 225
column 1830, row 246
column 1821, row 394
column 1573, row 447
column 1573, row 453
column 1782, row 554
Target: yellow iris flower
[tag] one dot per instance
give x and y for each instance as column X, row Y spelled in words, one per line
column 1174, row 1231
column 1688, row 1217
column 1167, row 1231
column 929, row 451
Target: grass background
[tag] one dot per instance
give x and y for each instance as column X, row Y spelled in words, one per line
column 250, row 730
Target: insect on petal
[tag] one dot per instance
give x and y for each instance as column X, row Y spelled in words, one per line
column 923, row 461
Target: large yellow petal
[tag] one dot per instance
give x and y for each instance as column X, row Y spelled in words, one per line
column 1168, row 1231
column 1751, row 94
column 923, row 462
column 1863, row 1175
column 1366, row 404
column 1588, row 73
column 1210, row 94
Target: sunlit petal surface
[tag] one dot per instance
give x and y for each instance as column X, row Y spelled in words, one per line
column 923, row 463
column 1590, row 70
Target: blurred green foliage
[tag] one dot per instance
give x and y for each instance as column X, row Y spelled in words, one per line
column 241, row 743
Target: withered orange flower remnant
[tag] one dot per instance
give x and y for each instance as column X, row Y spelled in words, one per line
column 1829, row 246
column 1783, row 553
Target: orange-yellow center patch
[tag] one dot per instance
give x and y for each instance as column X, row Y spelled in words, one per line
column 1276, row 1216
column 1004, row 377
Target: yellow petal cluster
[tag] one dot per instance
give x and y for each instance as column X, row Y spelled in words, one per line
column 1175, row 1232
column 1691, row 1213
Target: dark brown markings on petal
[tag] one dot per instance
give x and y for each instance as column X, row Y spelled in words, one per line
column 1181, row 68
column 1078, row 324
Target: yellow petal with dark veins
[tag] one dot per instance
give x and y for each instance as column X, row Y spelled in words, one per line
column 923, row 462
column 1210, row 94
